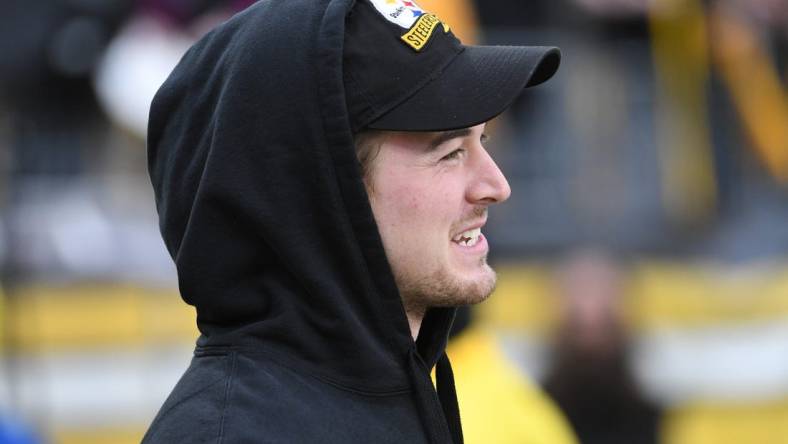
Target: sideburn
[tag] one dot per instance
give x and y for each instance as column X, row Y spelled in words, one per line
column 368, row 144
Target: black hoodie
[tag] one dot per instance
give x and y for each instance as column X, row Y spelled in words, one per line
column 303, row 334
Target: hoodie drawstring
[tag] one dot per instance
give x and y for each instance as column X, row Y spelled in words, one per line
column 447, row 397
column 447, row 394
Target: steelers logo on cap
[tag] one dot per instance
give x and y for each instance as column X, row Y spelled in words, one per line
column 407, row 14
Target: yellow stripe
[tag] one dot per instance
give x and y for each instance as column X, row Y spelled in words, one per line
column 42, row 318
column 663, row 294
column 522, row 300
column 671, row 294
column 733, row 423
column 99, row 435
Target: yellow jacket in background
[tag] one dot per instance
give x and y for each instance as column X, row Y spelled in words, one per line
column 498, row 403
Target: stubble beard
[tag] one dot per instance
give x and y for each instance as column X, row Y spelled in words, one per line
column 440, row 289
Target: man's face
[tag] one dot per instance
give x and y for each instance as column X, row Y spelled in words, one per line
column 429, row 193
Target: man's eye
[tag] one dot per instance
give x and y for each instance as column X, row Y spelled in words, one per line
column 456, row 154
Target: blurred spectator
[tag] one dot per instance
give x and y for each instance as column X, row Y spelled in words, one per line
column 144, row 52
column 590, row 378
column 54, row 127
column 48, row 52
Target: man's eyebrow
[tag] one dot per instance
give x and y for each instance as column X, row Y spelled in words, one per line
column 445, row 136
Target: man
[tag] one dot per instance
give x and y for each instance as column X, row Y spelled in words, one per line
column 429, row 194
column 311, row 282
column 590, row 375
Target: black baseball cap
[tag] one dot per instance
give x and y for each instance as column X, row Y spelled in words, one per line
column 405, row 70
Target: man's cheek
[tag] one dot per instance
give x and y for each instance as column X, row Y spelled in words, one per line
column 409, row 201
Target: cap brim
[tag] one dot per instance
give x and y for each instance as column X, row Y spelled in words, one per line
column 480, row 83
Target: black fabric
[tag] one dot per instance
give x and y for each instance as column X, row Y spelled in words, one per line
column 262, row 207
column 441, row 86
column 380, row 70
column 478, row 84
column 447, row 394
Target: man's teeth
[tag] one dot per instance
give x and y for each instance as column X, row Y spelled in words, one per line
column 468, row 238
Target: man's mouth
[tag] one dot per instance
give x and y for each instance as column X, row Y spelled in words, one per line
column 468, row 238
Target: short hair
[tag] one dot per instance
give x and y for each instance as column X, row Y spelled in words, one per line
column 368, row 144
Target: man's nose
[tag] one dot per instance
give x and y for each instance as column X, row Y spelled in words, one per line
column 488, row 185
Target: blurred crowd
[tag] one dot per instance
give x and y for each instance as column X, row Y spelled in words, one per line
column 643, row 291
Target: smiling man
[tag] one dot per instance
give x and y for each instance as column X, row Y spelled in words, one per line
column 429, row 194
column 322, row 185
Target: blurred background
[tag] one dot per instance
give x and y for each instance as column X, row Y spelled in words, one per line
column 642, row 258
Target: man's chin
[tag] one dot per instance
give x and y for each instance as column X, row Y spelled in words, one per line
column 482, row 290
column 472, row 288
column 448, row 287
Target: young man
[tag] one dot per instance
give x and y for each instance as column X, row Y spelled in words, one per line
column 313, row 267
column 429, row 194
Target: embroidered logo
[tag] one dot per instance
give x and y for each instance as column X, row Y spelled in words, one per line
column 409, row 15
column 421, row 32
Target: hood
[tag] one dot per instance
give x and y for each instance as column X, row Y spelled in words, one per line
column 263, row 208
